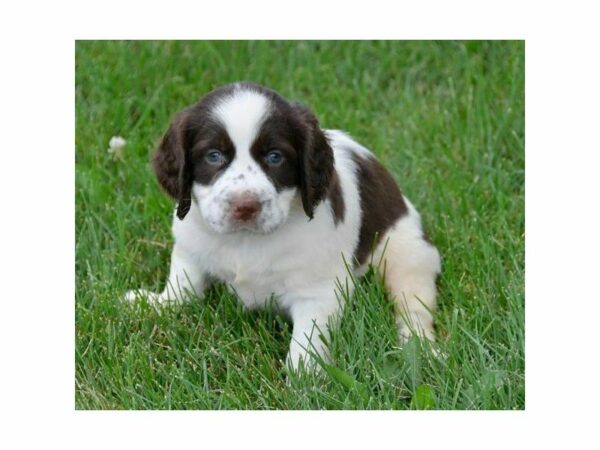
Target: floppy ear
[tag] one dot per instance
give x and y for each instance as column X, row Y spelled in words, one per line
column 171, row 163
column 316, row 161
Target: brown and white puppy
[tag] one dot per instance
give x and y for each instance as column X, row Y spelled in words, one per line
column 275, row 207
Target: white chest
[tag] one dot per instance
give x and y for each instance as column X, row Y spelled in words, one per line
column 279, row 266
column 257, row 273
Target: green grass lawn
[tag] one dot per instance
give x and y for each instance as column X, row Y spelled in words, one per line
column 447, row 118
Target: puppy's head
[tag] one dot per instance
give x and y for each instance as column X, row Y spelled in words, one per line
column 243, row 153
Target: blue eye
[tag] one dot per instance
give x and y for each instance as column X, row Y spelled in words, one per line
column 274, row 158
column 215, row 157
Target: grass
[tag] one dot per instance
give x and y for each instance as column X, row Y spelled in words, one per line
column 447, row 118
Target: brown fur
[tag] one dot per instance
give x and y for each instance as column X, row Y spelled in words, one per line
column 316, row 161
column 171, row 165
column 381, row 202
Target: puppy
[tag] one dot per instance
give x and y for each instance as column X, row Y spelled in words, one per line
column 278, row 208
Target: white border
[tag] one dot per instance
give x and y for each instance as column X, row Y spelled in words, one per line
column 38, row 237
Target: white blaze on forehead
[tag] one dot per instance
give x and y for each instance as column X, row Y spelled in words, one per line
column 242, row 115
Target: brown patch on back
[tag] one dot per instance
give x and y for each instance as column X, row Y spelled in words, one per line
column 381, row 203
column 334, row 194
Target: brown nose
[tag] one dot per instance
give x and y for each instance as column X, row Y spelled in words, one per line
column 245, row 209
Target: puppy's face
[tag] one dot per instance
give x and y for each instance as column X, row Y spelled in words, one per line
column 245, row 165
column 243, row 153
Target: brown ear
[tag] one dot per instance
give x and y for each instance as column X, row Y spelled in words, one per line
column 171, row 163
column 316, row 161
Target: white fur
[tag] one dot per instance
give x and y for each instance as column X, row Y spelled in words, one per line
column 410, row 266
column 242, row 113
column 296, row 262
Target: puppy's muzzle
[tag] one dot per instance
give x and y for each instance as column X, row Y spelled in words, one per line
column 245, row 209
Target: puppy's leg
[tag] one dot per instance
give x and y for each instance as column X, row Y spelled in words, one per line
column 185, row 279
column 410, row 266
column 312, row 315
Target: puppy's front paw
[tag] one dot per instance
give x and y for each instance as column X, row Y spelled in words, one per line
column 141, row 294
column 405, row 333
column 134, row 294
column 415, row 324
column 153, row 298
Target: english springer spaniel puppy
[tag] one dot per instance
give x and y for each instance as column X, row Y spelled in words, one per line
column 278, row 208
